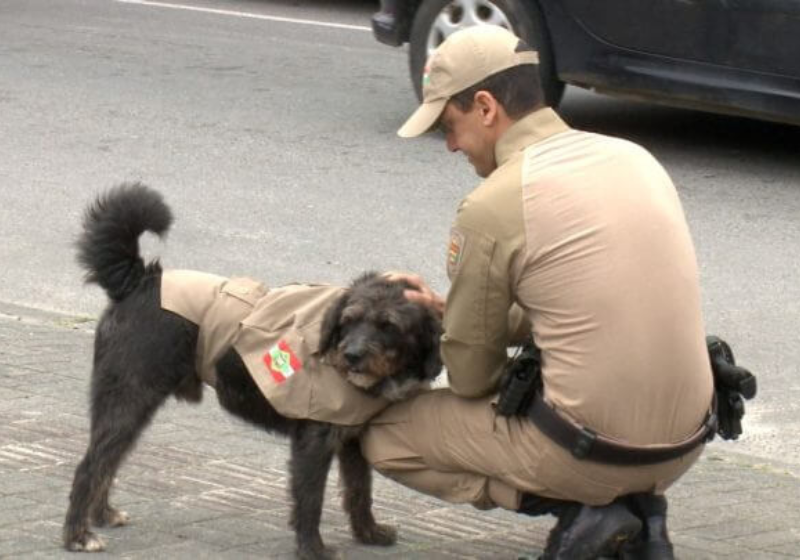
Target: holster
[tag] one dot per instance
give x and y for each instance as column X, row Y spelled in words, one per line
column 732, row 385
column 521, row 380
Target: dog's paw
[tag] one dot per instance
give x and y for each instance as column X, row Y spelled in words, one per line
column 377, row 534
column 111, row 518
column 88, row 542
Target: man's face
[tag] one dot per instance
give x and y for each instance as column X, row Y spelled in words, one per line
column 466, row 131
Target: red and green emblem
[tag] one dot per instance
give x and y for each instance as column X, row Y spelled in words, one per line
column 455, row 252
column 281, row 362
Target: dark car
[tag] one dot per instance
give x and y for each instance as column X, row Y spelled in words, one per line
column 728, row 56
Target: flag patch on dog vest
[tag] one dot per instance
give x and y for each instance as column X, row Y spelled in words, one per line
column 281, row 362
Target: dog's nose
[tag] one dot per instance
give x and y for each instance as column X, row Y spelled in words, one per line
column 353, row 358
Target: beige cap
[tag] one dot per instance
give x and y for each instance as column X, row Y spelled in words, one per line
column 465, row 58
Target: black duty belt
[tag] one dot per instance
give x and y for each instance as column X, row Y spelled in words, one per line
column 585, row 444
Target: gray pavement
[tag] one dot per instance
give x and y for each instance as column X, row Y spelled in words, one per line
column 202, row 485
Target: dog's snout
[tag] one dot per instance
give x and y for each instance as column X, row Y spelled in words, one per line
column 353, row 357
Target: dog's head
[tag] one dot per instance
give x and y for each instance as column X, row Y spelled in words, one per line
column 384, row 344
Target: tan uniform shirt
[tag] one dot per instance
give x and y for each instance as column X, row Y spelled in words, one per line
column 276, row 333
column 583, row 237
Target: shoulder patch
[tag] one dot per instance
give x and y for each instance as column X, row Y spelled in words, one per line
column 455, row 252
column 281, row 362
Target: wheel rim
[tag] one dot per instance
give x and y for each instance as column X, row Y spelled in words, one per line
column 461, row 14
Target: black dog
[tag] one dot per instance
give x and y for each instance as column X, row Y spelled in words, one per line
column 143, row 354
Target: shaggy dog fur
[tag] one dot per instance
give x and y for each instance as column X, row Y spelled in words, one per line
column 144, row 354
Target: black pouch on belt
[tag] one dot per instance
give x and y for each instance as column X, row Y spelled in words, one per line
column 521, row 380
column 732, row 384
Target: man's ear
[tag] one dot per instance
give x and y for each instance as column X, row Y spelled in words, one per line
column 329, row 331
column 487, row 106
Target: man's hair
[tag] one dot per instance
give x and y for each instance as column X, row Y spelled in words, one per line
column 518, row 89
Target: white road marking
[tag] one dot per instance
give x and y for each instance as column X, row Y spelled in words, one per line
column 248, row 15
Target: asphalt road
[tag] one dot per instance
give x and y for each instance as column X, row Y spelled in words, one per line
column 270, row 128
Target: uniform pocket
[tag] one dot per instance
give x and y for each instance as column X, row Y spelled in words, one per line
column 246, row 290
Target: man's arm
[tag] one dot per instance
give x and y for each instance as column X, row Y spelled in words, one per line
column 476, row 319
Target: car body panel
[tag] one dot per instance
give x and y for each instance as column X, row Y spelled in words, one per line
column 728, row 56
column 765, row 36
column 690, row 30
column 584, row 59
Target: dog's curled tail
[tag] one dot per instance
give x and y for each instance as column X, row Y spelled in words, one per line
column 108, row 248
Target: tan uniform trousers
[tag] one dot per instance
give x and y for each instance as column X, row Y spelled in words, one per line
column 461, row 451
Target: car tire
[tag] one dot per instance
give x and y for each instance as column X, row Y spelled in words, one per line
column 436, row 19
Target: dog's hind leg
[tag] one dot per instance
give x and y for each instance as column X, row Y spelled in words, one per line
column 311, row 458
column 92, row 483
column 356, row 476
column 118, row 418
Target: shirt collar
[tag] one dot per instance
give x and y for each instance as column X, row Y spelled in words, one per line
column 530, row 129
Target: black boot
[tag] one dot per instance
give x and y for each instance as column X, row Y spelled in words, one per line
column 535, row 506
column 653, row 542
column 585, row 532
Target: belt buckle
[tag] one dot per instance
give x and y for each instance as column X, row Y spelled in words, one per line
column 584, row 443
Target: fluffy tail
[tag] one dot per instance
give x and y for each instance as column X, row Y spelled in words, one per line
column 109, row 246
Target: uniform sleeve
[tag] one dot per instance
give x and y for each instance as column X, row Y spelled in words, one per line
column 476, row 319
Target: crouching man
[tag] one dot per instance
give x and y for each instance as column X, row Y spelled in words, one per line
column 578, row 242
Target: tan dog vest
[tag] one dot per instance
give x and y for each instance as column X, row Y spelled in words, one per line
column 276, row 333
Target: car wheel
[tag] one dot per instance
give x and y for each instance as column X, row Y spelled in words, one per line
column 435, row 20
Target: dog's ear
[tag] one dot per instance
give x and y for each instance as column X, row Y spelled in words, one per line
column 432, row 360
column 329, row 331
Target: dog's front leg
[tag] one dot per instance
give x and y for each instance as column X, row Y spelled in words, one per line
column 312, row 454
column 356, row 474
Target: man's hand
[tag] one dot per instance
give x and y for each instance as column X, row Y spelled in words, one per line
column 421, row 292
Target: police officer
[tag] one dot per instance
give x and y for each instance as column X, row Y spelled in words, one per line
column 579, row 240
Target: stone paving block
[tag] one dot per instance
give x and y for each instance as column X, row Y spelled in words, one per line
column 791, row 549
column 209, row 533
column 279, row 548
column 9, row 505
column 768, row 540
column 124, row 540
column 760, row 555
column 15, row 543
column 497, row 548
column 693, row 546
column 191, row 550
column 202, row 484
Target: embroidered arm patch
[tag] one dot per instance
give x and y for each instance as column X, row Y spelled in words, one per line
column 455, row 251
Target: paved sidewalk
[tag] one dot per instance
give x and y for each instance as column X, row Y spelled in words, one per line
column 202, row 485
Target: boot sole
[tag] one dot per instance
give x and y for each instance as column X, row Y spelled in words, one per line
column 648, row 551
